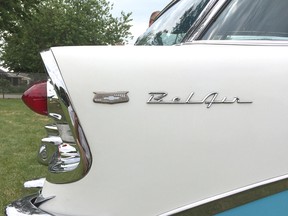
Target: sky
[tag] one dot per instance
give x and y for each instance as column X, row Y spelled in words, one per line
column 141, row 11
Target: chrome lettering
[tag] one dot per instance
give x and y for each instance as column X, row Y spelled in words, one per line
column 157, row 96
column 209, row 99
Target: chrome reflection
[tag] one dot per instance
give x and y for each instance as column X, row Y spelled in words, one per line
column 47, row 148
column 56, row 116
column 70, row 159
column 65, row 133
column 35, row 183
column 52, row 130
column 66, row 159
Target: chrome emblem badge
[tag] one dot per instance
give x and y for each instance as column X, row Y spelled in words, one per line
column 208, row 100
column 111, row 97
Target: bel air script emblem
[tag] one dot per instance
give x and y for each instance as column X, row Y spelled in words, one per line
column 111, row 97
column 209, row 99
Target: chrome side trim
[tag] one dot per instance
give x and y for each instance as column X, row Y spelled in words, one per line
column 72, row 158
column 232, row 199
column 28, row 206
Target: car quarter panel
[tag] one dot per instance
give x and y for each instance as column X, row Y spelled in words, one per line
column 152, row 158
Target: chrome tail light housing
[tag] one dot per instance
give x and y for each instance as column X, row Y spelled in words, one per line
column 65, row 149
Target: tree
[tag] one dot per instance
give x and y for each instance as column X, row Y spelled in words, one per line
column 11, row 11
column 60, row 23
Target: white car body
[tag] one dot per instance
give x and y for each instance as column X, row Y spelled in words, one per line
column 158, row 159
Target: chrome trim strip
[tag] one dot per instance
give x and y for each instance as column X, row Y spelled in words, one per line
column 232, row 199
column 65, row 167
column 28, row 206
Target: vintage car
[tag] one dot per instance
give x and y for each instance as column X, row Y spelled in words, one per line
column 194, row 129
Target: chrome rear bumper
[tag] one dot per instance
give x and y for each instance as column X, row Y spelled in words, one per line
column 28, row 206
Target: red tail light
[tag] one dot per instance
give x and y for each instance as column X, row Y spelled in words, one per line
column 36, row 98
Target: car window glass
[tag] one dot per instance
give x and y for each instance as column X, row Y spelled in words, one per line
column 172, row 26
column 251, row 20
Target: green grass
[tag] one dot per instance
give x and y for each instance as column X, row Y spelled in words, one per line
column 21, row 131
